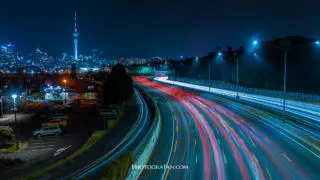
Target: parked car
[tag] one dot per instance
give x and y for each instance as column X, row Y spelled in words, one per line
column 49, row 130
column 57, row 122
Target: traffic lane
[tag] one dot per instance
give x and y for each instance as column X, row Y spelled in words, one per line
column 205, row 147
column 249, row 167
column 129, row 143
column 186, row 152
column 164, row 146
column 277, row 154
column 185, row 149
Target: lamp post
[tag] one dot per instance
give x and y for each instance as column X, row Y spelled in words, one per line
column 285, row 49
column 1, row 101
column 65, row 90
column 14, row 96
column 237, row 76
column 209, row 72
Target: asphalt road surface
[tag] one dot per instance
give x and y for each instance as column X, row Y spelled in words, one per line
column 40, row 150
column 217, row 138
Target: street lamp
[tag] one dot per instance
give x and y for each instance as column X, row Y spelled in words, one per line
column 65, row 90
column 209, row 71
column 14, row 96
column 285, row 49
column 1, row 101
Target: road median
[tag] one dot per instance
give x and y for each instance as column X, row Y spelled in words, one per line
column 142, row 153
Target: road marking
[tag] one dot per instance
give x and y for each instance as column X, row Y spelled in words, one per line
column 284, row 155
column 268, row 173
column 44, row 149
column 225, row 159
column 241, row 133
column 293, row 140
column 196, row 158
column 32, row 143
column 255, row 158
column 175, row 147
column 252, row 141
column 39, row 146
column 164, row 174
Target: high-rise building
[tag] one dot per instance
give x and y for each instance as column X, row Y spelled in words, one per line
column 75, row 36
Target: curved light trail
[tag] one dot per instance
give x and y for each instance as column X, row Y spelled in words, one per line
column 221, row 139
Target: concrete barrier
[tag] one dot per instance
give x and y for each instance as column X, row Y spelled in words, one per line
column 143, row 152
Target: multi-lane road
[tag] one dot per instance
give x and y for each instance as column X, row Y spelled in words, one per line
column 217, row 138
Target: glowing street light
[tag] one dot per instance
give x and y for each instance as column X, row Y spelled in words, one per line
column 209, row 69
column 65, row 90
column 285, row 49
column 255, row 42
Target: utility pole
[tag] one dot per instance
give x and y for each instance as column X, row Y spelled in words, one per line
column 1, row 100
column 14, row 96
column 237, row 76
column 16, row 123
column 285, row 80
column 209, row 74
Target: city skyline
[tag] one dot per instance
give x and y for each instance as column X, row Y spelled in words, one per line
column 145, row 29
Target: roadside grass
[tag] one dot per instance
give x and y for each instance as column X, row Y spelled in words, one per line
column 96, row 136
column 119, row 168
column 12, row 147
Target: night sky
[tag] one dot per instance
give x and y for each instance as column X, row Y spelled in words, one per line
column 153, row 28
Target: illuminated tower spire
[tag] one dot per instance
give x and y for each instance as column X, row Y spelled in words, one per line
column 75, row 36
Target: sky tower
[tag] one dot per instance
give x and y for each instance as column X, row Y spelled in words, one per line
column 75, row 36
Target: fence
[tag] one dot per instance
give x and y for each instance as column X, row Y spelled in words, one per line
column 309, row 98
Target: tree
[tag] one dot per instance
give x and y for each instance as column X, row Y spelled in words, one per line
column 119, row 86
column 6, row 134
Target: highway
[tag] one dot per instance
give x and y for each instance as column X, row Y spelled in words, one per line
column 310, row 111
column 217, row 138
column 96, row 169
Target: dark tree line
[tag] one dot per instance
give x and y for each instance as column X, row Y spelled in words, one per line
column 262, row 67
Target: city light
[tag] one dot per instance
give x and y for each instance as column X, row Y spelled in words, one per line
column 64, row 81
column 14, row 96
column 317, row 42
column 219, row 53
column 255, row 42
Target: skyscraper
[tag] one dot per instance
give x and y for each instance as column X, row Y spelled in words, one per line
column 75, row 36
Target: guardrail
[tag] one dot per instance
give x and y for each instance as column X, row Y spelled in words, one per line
column 309, row 98
column 143, row 152
column 308, row 114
